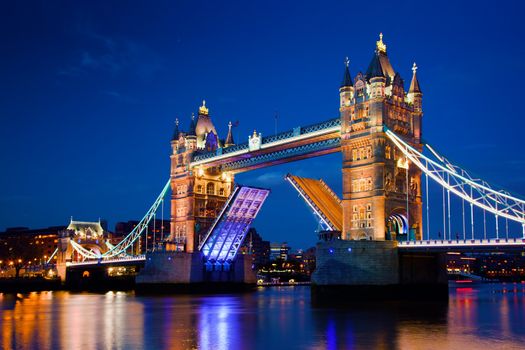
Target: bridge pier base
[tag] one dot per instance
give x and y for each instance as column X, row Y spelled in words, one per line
column 354, row 271
column 168, row 271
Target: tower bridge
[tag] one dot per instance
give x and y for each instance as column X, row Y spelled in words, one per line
column 385, row 197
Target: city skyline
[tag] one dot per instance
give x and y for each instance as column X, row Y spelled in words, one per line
column 88, row 123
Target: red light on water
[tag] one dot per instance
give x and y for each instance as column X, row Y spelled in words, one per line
column 464, row 290
column 464, row 281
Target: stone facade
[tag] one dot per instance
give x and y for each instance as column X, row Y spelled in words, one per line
column 198, row 194
column 381, row 189
column 341, row 262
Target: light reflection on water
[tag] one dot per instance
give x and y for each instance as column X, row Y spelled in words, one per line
column 483, row 316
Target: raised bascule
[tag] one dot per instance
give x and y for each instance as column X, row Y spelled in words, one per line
column 383, row 242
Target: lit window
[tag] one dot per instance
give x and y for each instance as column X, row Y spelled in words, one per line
column 362, row 154
column 210, row 188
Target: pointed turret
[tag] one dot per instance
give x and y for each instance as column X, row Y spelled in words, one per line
column 414, row 84
column 374, row 68
column 347, row 78
column 380, row 65
column 204, row 126
column 229, row 139
column 176, row 132
column 346, row 91
column 191, row 130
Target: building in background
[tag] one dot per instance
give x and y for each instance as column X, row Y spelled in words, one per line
column 23, row 243
column 259, row 248
column 279, row 251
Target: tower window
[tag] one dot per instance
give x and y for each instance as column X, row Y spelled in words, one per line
column 210, row 188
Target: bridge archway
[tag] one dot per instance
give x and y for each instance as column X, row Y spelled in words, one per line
column 396, row 225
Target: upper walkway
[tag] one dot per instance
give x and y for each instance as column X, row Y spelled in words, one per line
column 298, row 143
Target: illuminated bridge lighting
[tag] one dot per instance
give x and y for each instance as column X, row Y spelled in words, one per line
column 226, row 235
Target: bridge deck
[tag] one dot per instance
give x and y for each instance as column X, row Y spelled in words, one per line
column 321, row 199
column 227, row 234
column 468, row 245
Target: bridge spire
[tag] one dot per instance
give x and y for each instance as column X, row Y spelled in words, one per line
column 176, row 131
column 347, row 78
column 191, row 130
column 229, row 138
column 414, row 85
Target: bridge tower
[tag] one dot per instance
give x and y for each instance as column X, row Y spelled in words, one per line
column 198, row 194
column 381, row 189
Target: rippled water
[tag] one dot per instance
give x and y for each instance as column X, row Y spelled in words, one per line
column 476, row 317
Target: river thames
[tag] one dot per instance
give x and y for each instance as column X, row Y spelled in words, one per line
column 475, row 317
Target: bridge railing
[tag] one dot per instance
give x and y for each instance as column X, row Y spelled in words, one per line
column 108, row 261
column 463, row 242
column 328, row 124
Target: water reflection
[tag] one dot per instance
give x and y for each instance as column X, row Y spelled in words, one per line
column 477, row 316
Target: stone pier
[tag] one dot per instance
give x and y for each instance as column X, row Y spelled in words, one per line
column 169, row 271
column 354, row 271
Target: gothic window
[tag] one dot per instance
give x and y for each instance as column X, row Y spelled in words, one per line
column 199, row 188
column 355, row 209
column 354, row 154
column 361, row 186
column 369, row 184
column 361, row 213
column 221, row 191
column 369, row 207
column 369, row 152
column 210, row 188
column 387, row 152
column 361, row 153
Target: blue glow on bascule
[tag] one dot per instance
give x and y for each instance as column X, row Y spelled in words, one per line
column 227, row 234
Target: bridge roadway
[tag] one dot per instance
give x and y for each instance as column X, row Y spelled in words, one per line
column 429, row 246
column 132, row 260
column 465, row 245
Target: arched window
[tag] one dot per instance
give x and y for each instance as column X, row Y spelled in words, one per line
column 199, row 188
column 221, row 191
column 369, row 152
column 210, row 188
column 354, row 154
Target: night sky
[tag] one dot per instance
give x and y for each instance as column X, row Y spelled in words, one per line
column 90, row 91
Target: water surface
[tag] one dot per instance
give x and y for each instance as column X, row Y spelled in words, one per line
column 476, row 317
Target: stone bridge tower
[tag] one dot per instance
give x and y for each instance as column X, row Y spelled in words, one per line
column 381, row 189
column 197, row 194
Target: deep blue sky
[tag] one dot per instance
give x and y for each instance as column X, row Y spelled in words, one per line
column 89, row 93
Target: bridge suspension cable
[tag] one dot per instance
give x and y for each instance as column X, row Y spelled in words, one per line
column 459, row 182
column 128, row 241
